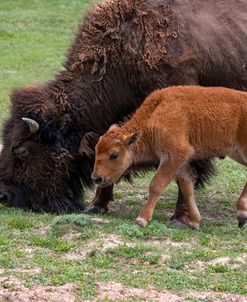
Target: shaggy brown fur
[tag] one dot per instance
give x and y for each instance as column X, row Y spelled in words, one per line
column 123, row 50
column 174, row 126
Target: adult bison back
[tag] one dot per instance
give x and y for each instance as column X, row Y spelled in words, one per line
column 122, row 51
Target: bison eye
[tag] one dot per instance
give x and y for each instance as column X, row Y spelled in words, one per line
column 114, row 155
column 22, row 153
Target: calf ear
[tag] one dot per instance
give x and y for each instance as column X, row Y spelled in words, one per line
column 132, row 138
column 88, row 144
column 113, row 127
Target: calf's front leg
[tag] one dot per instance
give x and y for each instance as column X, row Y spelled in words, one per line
column 164, row 175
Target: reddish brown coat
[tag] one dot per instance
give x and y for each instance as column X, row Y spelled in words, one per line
column 177, row 125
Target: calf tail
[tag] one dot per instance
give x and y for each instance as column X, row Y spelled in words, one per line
column 203, row 170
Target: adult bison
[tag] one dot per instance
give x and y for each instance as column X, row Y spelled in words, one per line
column 122, row 51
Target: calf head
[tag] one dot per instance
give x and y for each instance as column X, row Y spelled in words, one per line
column 38, row 167
column 113, row 155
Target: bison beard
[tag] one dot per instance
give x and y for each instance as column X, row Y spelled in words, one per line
column 123, row 50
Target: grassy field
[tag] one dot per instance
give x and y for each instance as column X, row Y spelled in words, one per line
column 107, row 257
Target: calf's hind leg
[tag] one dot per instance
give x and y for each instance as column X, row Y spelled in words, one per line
column 242, row 201
column 204, row 169
column 242, row 208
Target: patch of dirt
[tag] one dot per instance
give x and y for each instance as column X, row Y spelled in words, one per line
column 169, row 243
column 220, row 260
column 29, row 271
column 100, row 220
column 9, row 282
column 111, row 241
column 165, row 257
column 242, row 259
column 71, row 236
column 41, row 230
column 38, row 294
column 217, row 297
column 29, row 249
column 197, row 266
column 202, row 265
column 81, row 253
column 115, row 290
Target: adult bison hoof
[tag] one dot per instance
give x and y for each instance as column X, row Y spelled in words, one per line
column 95, row 210
column 185, row 223
column 241, row 222
column 177, row 223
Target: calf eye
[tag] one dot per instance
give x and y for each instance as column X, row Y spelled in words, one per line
column 114, row 155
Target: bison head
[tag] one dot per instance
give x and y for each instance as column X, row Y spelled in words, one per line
column 39, row 163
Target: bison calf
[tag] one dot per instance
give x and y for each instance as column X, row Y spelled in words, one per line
column 174, row 126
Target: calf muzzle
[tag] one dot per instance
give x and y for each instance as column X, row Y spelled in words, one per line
column 97, row 179
column 100, row 180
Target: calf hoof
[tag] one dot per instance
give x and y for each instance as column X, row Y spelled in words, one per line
column 141, row 222
column 95, row 210
column 242, row 221
column 194, row 225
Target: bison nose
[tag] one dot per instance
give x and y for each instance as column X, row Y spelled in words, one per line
column 3, row 198
column 6, row 194
column 97, row 179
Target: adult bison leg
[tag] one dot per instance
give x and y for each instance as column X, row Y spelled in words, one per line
column 181, row 214
column 101, row 200
column 187, row 187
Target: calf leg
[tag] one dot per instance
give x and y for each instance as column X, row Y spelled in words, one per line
column 242, row 201
column 242, row 208
column 182, row 75
column 164, row 175
column 187, row 189
column 101, row 200
column 203, row 170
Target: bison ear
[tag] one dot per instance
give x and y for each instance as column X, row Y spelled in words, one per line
column 88, row 144
column 132, row 138
column 64, row 123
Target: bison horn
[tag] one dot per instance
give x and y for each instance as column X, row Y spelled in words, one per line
column 33, row 125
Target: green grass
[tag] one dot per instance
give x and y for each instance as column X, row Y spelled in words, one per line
column 84, row 250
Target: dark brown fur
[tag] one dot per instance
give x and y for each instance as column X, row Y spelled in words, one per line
column 122, row 51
